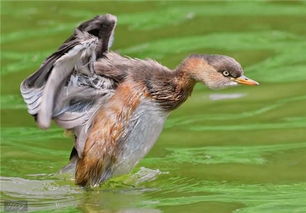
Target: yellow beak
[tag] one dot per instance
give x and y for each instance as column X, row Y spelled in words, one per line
column 245, row 80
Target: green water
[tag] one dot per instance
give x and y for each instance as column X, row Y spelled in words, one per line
column 243, row 154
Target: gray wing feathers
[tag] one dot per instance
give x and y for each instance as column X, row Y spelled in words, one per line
column 32, row 97
column 65, row 87
column 61, row 71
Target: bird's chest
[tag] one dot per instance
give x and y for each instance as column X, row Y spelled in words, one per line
column 140, row 134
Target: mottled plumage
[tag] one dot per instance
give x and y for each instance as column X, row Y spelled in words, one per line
column 115, row 105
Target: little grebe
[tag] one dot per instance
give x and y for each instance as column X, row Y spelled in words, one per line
column 116, row 106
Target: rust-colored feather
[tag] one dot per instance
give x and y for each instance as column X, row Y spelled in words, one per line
column 102, row 144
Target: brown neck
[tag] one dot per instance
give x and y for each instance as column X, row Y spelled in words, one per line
column 184, row 80
column 170, row 88
column 195, row 67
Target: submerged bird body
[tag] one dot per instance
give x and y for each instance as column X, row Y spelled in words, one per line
column 116, row 106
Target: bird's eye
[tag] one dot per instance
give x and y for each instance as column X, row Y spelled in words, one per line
column 225, row 73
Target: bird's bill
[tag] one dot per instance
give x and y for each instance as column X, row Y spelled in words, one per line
column 245, row 80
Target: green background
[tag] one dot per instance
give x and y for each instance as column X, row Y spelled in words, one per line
column 246, row 154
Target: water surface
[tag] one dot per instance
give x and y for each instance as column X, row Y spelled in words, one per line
column 241, row 149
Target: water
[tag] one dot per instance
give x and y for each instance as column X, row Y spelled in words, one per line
column 241, row 149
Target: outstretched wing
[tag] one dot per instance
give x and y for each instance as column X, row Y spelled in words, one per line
column 101, row 27
column 40, row 89
column 66, row 88
column 61, row 63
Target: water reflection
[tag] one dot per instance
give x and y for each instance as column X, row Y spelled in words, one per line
column 220, row 96
column 54, row 194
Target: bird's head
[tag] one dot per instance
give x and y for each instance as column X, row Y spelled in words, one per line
column 215, row 71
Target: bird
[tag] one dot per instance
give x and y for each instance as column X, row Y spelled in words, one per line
column 115, row 105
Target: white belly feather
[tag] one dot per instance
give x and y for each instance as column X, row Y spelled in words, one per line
column 144, row 129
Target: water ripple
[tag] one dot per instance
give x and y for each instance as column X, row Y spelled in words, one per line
column 223, row 154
